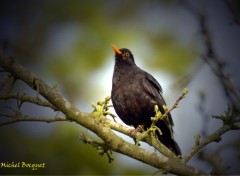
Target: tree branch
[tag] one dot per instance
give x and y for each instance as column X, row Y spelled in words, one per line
column 230, row 122
column 24, row 98
column 91, row 122
column 19, row 118
column 215, row 137
column 210, row 57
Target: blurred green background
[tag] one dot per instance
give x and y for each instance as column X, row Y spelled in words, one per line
column 68, row 45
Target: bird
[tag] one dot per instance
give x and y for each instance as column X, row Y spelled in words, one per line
column 134, row 95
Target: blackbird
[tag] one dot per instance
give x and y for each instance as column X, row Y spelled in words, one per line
column 134, row 95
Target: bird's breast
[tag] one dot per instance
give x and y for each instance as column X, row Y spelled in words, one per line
column 131, row 102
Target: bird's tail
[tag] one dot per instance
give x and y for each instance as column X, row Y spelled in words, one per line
column 167, row 139
column 171, row 144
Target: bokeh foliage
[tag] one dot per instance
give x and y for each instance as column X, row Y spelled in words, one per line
column 70, row 40
column 61, row 150
column 67, row 42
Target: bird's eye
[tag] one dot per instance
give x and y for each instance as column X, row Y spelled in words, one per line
column 127, row 54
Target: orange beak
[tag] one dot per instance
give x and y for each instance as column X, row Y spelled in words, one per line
column 116, row 49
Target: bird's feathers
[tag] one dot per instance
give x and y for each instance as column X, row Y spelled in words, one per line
column 134, row 95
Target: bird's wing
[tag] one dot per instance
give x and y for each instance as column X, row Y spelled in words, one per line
column 153, row 88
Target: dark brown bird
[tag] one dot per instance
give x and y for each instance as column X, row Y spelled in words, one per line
column 134, row 95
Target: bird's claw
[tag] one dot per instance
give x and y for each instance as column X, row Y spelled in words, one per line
column 134, row 132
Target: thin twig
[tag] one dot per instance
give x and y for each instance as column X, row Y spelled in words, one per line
column 214, row 137
column 230, row 6
column 19, row 118
column 24, row 98
column 210, row 57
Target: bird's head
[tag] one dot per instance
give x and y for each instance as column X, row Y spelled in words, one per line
column 123, row 55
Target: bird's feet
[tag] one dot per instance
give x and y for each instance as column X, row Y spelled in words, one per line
column 134, row 132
